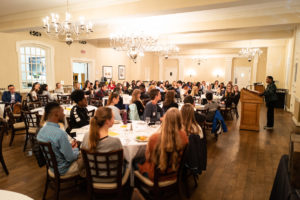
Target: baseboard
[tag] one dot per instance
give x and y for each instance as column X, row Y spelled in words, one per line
column 295, row 121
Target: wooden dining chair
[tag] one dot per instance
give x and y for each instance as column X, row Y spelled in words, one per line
column 15, row 127
column 43, row 99
column 2, row 130
column 156, row 188
column 32, row 123
column 52, row 173
column 64, row 99
column 104, row 172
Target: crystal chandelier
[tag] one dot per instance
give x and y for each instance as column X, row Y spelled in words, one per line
column 250, row 52
column 199, row 59
column 66, row 30
column 164, row 49
column 134, row 43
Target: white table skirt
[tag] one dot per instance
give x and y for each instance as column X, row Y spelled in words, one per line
column 9, row 195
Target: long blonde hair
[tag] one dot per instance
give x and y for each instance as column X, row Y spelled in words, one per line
column 135, row 97
column 189, row 121
column 170, row 143
column 194, row 91
column 102, row 114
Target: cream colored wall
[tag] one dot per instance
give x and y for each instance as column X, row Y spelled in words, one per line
column 296, row 85
column 206, row 71
column 261, row 66
column 241, row 62
column 145, row 68
column 276, row 65
column 62, row 58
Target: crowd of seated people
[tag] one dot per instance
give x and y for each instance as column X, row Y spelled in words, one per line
column 157, row 101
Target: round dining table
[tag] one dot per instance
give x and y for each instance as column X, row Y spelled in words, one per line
column 127, row 133
column 67, row 109
column 10, row 195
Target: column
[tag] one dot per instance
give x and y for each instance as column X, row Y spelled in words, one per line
column 228, row 68
column 160, row 68
column 180, row 68
column 254, row 69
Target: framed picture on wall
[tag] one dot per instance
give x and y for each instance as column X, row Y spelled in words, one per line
column 107, row 72
column 121, row 72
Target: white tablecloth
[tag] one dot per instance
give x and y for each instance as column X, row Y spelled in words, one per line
column 131, row 147
column 126, row 99
column 67, row 109
column 9, row 195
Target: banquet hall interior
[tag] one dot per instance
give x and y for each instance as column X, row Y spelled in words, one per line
column 72, row 71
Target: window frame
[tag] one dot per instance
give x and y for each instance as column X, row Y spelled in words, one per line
column 49, row 57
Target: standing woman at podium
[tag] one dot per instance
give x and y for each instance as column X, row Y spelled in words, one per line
column 270, row 98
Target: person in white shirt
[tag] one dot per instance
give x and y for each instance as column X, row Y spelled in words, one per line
column 59, row 89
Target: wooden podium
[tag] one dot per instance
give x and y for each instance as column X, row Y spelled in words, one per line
column 250, row 109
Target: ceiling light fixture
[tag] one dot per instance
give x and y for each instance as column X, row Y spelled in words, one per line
column 134, row 43
column 250, row 53
column 66, row 30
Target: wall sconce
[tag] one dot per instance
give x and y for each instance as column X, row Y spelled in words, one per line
column 218, row 73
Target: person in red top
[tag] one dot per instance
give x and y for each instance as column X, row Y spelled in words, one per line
column 111, row 85
column 169, row 142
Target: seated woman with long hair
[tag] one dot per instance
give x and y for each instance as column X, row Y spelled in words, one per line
column 136, row 99
column 189, row 121
column 196, row 152
column 166, row 145
column 98, row 140
column 169, row 101
column 44, row 91
column 112, row 101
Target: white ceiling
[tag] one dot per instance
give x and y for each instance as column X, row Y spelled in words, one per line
column 18, row 6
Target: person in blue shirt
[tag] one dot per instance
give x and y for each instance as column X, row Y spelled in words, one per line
column 11, row 96
column 66, row 153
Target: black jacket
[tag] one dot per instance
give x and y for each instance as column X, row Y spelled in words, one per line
column 79, row 117
column 196, row 159
column 270, row 93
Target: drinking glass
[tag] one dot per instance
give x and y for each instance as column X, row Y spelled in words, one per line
column 147, row 120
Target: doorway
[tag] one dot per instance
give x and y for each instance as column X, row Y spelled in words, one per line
column 242, row 76
column 80, row 73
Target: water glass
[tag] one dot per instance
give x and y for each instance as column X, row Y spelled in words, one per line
column 147, row 120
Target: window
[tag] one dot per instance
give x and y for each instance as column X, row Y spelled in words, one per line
column 33, row 65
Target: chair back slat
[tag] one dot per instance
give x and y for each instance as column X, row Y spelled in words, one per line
column 104, row 166
column 49, row 156
column 43, row 99
column 9, row 114
column 64, row 99
column 31, row 119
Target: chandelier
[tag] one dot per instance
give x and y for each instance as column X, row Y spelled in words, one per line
column 134, row 43
column 250, row 52
column 165, row 49
column 66, row 30
column 199, row 59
